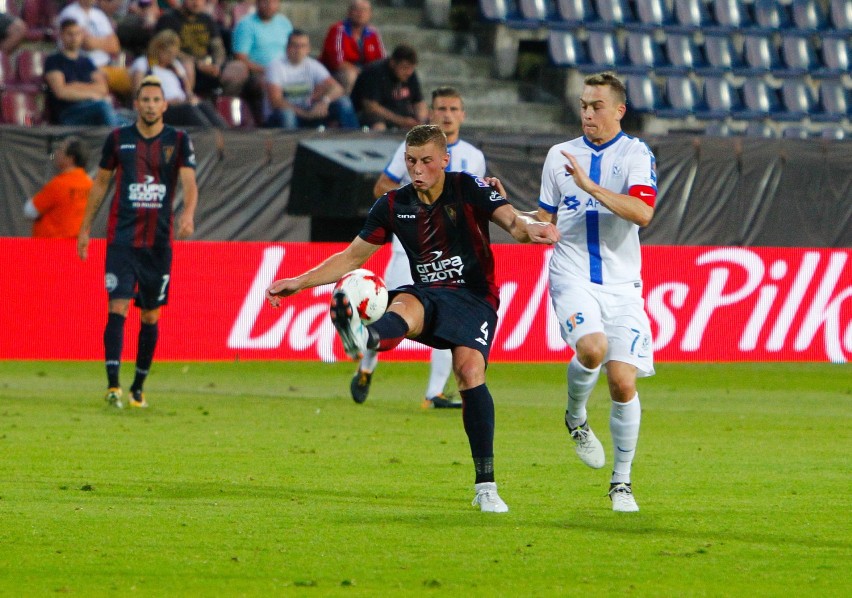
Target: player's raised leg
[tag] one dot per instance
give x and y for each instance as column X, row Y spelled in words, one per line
column 359, row 387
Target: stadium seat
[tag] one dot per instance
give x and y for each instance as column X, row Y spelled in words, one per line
column 40, row 17
column 717, row 129
column 835, row 56
column 833, row 101
column 835, row 133
column 796, row 132
column 20, row 108
column 760, row 129
column 761, row 100
column 653, row 13
column 761, row 55
column 771, row 15
column 841, row 15
column 235, row 112
column 683, row 53
column 722, row 98
column 731, row 14
column 683, row 99
column 567, row 50
column 29, row 67
column 808, row 15
column 797, row 99
column 798, row 54
column 605, row 51
column 536, row 11
column 644, row 53
column 692, row 14
column 722, row 55
column 496, row 10
column 7, row 71
column 643, row 95
column 576, row 12
column 614, row 13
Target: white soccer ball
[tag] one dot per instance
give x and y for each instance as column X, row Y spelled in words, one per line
column 367, row 293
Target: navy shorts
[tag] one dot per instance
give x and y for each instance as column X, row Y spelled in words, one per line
column 454, row 318
column 139, row 273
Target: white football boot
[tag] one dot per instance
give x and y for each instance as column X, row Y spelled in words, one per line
column 622, row 498
column 588, row 447
column 350, row 329
column 488, row 499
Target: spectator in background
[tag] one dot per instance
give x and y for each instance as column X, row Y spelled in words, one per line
column 185, row 108
column 201, row 43
column 136, row 27
column 57, row 209
column 302, row 93
column 77, row 92
column 258, row 40
column 351, row 44
column 100, row 43
column 387, row 94
column 12, row 32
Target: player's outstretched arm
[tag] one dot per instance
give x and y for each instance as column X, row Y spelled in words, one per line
column 186, row 221
column 328, row 271
column 95, row 199
column 523, row 228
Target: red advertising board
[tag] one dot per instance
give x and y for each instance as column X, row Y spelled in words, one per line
column 705, row 304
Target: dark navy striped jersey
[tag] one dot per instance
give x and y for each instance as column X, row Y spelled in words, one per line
column 448, row 243
column 146, row 179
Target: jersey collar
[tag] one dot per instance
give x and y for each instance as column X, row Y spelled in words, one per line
column 599, row 148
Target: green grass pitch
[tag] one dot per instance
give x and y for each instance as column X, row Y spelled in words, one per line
column 265, row 479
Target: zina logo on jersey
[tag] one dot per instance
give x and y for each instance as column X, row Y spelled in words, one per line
column 148, row 194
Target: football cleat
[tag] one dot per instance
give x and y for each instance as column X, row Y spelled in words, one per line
column 347, row 323
column 113, row 398
column 137, row 399
column 360, row 385
column 441, row 402
column 622, row 498
column 488, row 499
column 586, row 444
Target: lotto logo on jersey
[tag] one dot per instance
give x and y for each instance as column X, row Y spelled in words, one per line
column 441, row 269
column 148, row 194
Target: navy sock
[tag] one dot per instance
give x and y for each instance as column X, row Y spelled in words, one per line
column 148, row 334
column 478, row 418
column 387, row 332
column 113, row 344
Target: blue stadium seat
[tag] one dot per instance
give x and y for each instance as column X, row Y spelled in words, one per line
column 841, row 15
column 797, row 99
column 760, row 129
column 613, row 13
column 604, row 50
column 567, row 50
column 808, row 15
column 731, row 14
column 683, row 99
column 643, row 94
column 692, row 15
column 761, row 100
column 771, row 15
column 576, row 12
column 761, row 55
column 722, row 55
column 495, row 10
column 683, row 53
column 653, row 13
column 644, row 53
column 833, row 101
column 835, row 56
column 798, row 54
column 722, row 98
column 536, row 11
column 717, row 129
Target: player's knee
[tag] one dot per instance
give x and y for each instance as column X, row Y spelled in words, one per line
column 469, row 375
column 621, row 390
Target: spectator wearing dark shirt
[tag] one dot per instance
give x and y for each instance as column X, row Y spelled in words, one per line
column 351, row 44
column 387, row 93
column 77, row 92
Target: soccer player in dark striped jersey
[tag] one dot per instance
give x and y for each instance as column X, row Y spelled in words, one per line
column 148, row 158
column 441, row 218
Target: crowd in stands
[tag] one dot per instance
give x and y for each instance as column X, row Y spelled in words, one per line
column 210, row 55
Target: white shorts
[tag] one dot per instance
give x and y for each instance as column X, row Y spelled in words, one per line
column 585, row 308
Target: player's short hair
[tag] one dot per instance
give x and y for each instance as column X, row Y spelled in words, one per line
column 149, row 81
column 614, row 83
column 77, row 151
column 404, row 53
column 445, row 91
column 66, row 23
column 423, row 134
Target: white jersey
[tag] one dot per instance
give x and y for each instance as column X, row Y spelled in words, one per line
column 95, row 22
column 596, row 245
column 464, row 157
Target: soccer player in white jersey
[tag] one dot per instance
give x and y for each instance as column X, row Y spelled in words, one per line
column 599, row 189
column 446, row 111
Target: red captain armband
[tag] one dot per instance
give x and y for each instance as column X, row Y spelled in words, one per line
column 645, row 193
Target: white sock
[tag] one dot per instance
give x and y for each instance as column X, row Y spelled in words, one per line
column 581, row 381
column 624, row 421
column 369, row 361
column 440, row 367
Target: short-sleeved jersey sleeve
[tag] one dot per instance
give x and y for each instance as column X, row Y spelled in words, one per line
column 377, row 229
column 109, row 153
column 642, row 167
column 396, row 169
column 482, row 195
column 186, row 159
column 549, row 196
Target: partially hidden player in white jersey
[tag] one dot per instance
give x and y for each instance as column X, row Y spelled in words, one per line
column 599, row 189
column 446, row 111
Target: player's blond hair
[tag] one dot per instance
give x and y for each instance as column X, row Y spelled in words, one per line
column 423, row 134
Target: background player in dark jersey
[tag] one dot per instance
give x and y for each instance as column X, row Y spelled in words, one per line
column 441, row 218
column 148, row 158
